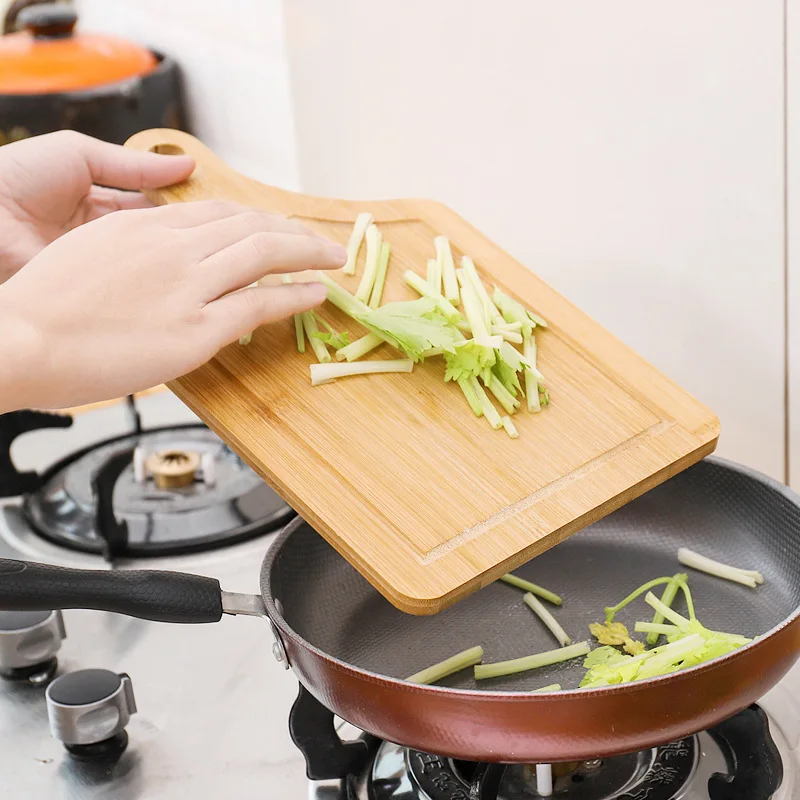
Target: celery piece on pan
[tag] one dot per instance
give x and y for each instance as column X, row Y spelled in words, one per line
column 502, row 668
column 747, row 577
column 527, row 586
column 550, row 622
column 463, row 660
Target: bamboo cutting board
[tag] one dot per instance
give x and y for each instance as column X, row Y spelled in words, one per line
column 423, row 498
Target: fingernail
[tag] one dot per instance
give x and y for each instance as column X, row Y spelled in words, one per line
column 318, row 292
column 337, row 251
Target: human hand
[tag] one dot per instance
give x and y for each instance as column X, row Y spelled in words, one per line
column 140, row 297
column 51, row 184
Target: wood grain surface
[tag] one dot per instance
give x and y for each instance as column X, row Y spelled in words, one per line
column 424, row 499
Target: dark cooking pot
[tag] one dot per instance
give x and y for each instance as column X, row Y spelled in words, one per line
column 53, row 77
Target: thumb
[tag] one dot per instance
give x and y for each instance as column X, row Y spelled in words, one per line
column 124, row 168
column 240, row 313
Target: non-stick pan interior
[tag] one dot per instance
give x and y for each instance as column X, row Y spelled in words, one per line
column 720, row 511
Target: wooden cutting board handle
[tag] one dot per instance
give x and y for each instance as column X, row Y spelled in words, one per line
column 212, row 177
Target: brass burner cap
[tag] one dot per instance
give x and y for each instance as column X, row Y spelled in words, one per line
column 173, row 469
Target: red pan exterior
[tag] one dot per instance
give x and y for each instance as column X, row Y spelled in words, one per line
column 530, row 728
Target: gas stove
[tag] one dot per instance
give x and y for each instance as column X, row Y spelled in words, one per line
column 95, row 705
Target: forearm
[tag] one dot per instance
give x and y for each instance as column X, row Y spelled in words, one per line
column 20, row 363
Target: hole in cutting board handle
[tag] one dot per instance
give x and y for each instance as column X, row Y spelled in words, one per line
column 167, row 150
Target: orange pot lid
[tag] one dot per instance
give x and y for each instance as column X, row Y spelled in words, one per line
column 48, row 57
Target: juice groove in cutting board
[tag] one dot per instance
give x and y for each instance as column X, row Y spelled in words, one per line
column 395, row 471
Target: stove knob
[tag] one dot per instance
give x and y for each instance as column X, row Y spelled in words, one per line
column 89, row 710
column 29, row 641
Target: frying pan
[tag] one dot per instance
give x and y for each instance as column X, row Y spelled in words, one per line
column 351, row 648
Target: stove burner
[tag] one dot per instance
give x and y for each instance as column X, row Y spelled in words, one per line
column 658, row 774
column 173, row 469
column 168, row 491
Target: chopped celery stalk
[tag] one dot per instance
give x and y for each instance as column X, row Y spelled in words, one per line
column 469, row 658
column 471, row 395
column 434, row 351
column 545, row 399
column 469, row 360
column 658, row 628
column 299, row 333
column 531, row 381
column 359, row 348
column 341, row 298
column 430, row 274
column 535, row 605
column 380, row 278
column 331, row 338
column 474, row 310
column 444, row 255
column 484, row 671
column 673, row 616
column 532, row 588
column 515, row 312
column 611, row 611
column 298, row 323
column 435, row 275
column 509, row 403
column 323, row 373
column 667, row 599
column 310, row 326
column 509, row 326
column 373, row 237
column 747, row 577
column 510, row 428
column 508, row 336
column 411, row 327
column 489, row 411
column 362, row 222
column 449, row 311
column 491, row 313
column 553, row 687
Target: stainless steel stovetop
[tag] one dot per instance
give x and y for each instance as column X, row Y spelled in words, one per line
column 213, row 704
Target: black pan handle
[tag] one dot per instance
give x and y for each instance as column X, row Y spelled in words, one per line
column 755, row 763
column 148, row 594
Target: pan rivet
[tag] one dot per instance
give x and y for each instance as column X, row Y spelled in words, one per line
column 277, row 651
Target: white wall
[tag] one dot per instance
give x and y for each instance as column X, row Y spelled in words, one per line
column 630, row 153
column 234, row 61
column 793, row 274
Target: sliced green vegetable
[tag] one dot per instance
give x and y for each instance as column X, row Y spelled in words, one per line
column 374, row 241
column 747, row 577
column 444, row 255
column 489, row 411
column 472, row 396
column 531, row 381
column 510, row 428
column 331, row 337
column 312, row 331
column 469, row 359
column 362, row 222
column 380, row 278
column 468, row 658
column 612, row 611
column 473, row 308
column 359, row 348
column 551, row 623
column 492, row 315
column 447, row 309
column 553, row 687
column 521, row 583
column 325, row 373
column 507, row 400
column 484, row 671
column 667, row 599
